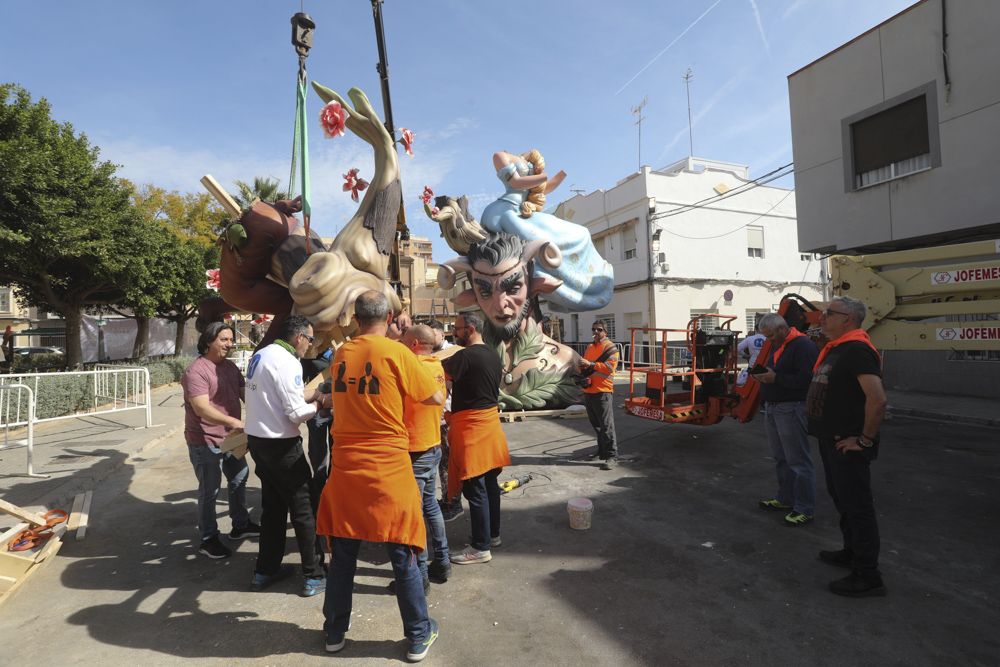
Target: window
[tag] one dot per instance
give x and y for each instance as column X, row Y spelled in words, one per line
column 628, row 242
column 5, row 300
column 893, row 139
column 755, row 242
column 805, row 256
column 609, row 324
column 600, row 245
column 705, row 322
column 753, row 315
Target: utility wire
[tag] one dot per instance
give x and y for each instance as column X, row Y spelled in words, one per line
column 746, row 187
column 733, row 231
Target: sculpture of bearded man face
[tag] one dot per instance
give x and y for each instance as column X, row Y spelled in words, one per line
column 502, row 293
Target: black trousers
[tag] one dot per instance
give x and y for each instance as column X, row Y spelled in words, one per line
column 849, row 482
column 284, row 476
column 600, row 412
column 483, row 494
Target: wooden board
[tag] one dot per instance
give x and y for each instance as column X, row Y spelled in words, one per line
column 74, row 514
column 10, row 585
column 9, row 534
column 521, row 415
column 22, row 514
column 236, row 444
column 81, row 531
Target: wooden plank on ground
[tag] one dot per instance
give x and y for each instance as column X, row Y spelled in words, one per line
column 33, row 570
column 74, row 513
column 9, row 534
column 81, row 531
column 21, row 513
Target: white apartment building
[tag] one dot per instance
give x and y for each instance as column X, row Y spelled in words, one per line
column 697, row 236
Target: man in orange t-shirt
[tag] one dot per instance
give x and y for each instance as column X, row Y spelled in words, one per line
column 371, row 494
column 600, row 360
column 423, row 422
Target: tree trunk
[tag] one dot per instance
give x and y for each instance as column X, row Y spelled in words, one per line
column 140, row 349
column 179, row 336
column 74, row 352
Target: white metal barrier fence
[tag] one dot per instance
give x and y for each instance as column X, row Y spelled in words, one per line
column 17, row 420
column 27, row 399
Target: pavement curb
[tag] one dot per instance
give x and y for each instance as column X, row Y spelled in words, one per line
column 943, row 416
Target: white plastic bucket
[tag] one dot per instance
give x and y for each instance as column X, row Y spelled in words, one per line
column 580, row 512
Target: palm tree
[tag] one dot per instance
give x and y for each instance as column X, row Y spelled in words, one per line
column 263, row 188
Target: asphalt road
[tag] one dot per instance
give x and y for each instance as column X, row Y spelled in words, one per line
column 679, row 567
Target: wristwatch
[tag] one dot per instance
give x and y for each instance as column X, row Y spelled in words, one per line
column 865, row 442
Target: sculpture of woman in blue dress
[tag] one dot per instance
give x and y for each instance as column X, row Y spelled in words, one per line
column 587, row 279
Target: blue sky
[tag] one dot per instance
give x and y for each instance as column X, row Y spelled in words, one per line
column 171, row 90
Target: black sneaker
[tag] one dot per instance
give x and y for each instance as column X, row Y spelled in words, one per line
column 418, row 650
column 427, row 586
column 856, row 586
column 249, row 530
column 214, row 549
column 335, row 643
column 439, row 571
column 841, row 558
column 452, row 511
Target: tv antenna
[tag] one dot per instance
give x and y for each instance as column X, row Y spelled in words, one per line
column 637, row 112
column 688, row 75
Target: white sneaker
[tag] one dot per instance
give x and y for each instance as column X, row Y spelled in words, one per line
column 470, row 555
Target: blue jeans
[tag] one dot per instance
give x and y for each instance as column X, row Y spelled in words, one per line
column 483, row 494
column 340, row 588
column 786, row 433
column 425, row 466
column 206, row 459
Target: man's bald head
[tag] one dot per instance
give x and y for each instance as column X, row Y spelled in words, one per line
column 419, row 338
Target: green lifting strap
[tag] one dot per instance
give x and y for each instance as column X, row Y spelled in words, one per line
column 300, row 149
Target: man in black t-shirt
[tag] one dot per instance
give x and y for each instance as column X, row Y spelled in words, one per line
column 478, row 445
column 845, row 406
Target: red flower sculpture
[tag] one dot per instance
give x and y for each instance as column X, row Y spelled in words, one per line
column 262, row 319
column 213, row 279
column 427, row 195
column 407, row 140
column 333, row 120
column 353, row 184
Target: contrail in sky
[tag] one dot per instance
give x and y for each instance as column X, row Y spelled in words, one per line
column 675, row 40
column 760, row 26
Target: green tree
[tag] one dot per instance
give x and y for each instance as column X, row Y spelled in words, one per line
column 66, row 221
column 195, row 221
column 263, row 188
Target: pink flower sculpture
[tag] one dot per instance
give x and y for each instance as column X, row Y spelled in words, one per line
column 407, row 140
column 427, row 195
column 353, row 184
column 333, row 120
column 213, row 279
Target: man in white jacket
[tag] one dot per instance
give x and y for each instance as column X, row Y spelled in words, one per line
column 276, row 406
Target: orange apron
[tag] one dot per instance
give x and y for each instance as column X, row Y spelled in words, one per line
column 371, row 495
column 477, row 445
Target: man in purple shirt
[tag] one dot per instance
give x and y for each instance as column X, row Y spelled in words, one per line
column 213, row 388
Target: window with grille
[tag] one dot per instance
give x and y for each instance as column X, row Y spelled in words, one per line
column 752, row 316
column 755, row 242
column 628, row 242
column 609, row 324
column 705, row 322
column 5, row 300
column 891, row 143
